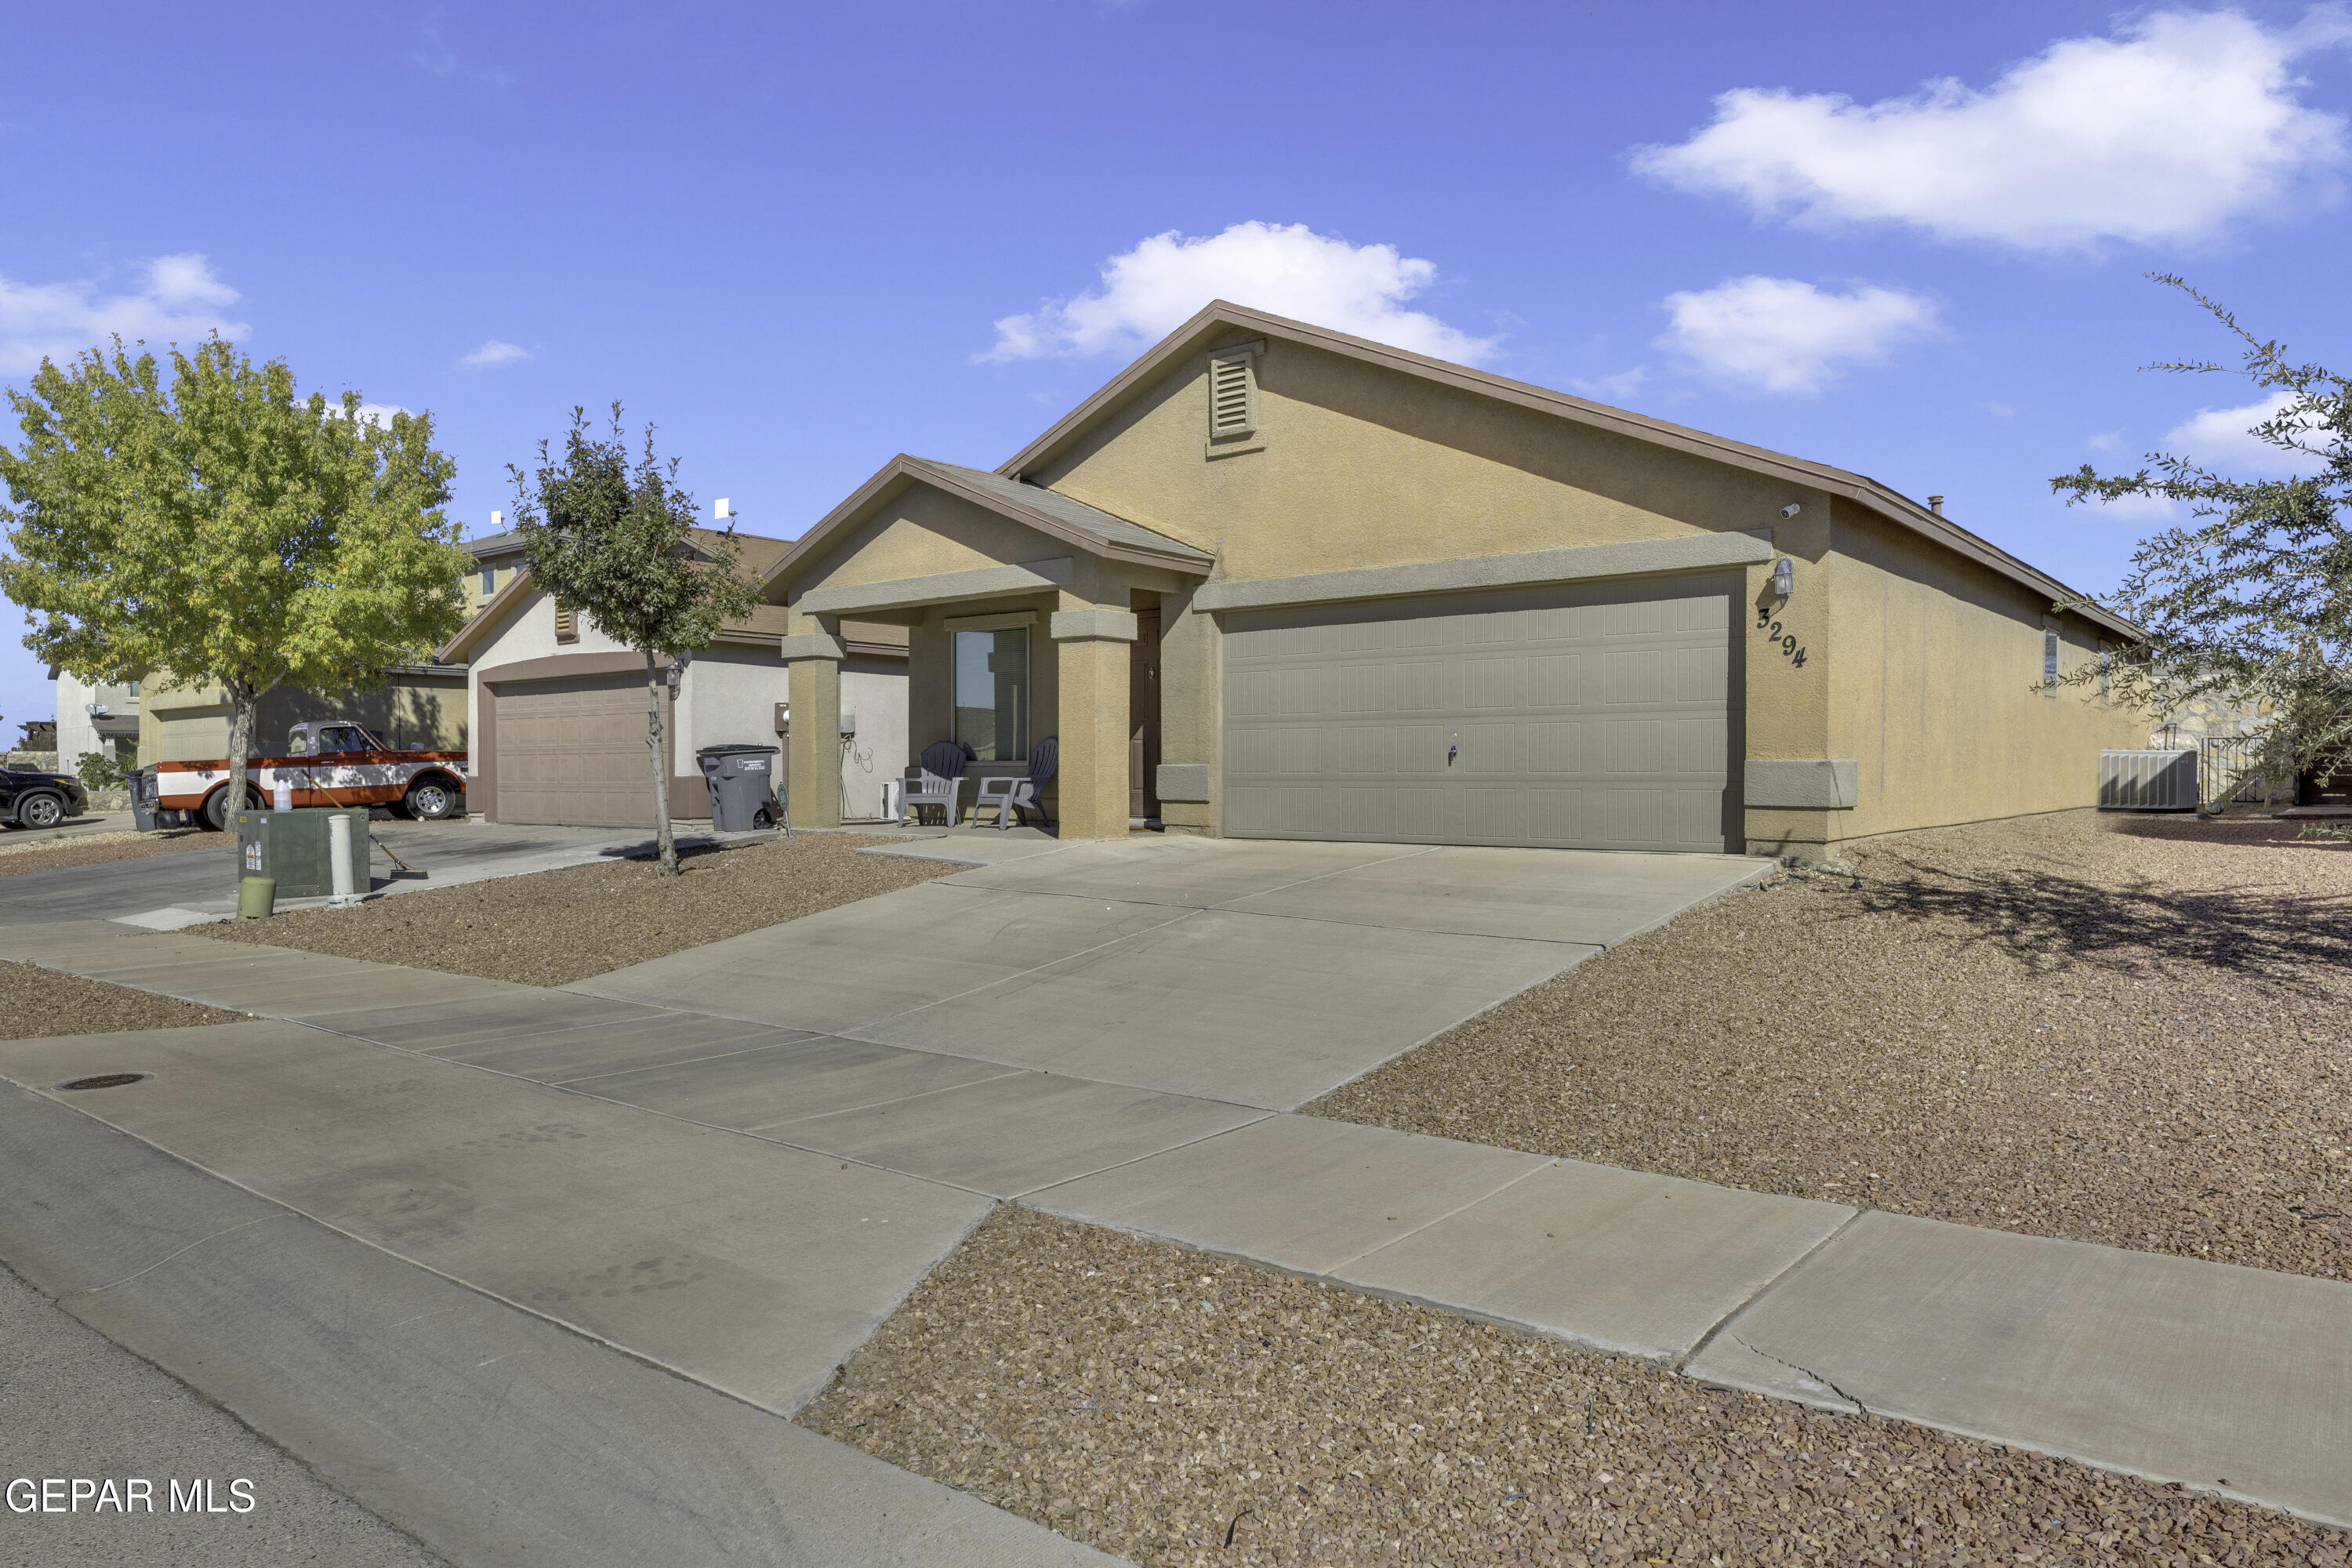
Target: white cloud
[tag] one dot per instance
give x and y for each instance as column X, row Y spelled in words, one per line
column 2165, row 133
column 177, row 300
column 2222, row 440
column 1290, row 271
column 1777, row 334
column 1614, row 388
column 2138, row 508
column 496, row 353
column 2106, row 441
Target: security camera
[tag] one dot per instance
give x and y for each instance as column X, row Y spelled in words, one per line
column 1792, row 508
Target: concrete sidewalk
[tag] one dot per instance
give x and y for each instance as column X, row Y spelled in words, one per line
column 489, row 1431
column 2222, row 1378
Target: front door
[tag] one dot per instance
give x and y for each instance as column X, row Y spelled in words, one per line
column 1143, row 718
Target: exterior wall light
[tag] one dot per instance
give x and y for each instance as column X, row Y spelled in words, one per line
column 1784, row 577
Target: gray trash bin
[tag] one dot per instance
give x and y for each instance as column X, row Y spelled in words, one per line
column 743, row 781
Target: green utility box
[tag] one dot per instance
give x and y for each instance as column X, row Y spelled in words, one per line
column 292, row 848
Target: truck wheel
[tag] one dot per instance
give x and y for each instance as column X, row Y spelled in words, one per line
column 430, row 800
column 39, row 811
column 213, row 815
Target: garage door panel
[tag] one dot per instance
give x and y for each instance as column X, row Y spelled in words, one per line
column 1594, row 716
column 1420, row 750
column 1368, row 813
column 1499, row 627
column 1699, row 745
column 1635, row 679
column 1634, row 746
column 1640, row 619
column 1367, row 751
column 1636, row 819
column 1491, row 682
column 573, row 752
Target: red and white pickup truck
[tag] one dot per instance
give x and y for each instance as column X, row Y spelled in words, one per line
column 327, row 762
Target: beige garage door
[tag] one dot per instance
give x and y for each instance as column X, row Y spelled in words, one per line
column 1593, row 717
column 572, row 753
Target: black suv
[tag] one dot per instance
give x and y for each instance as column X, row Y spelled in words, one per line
column 39, row 800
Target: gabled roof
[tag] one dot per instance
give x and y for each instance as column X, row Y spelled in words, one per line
column 1221, row 319
column 759, row 553
column 510, row 543
column 1074, row 522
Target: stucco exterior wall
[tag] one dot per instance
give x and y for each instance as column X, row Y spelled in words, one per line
column 920, row 532
column 1367, row 467
column 875, row 690
column 422, row 710
column 77, row 732
column 1933, row 672
column 728, row 697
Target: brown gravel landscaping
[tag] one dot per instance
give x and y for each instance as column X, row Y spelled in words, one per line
column 1173, row 1407
column 2129, row 1030
column 552, row 928
column 36, row 1002
column 100, row 848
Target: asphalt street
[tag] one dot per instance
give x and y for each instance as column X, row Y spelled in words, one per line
column 73, row 1403
column 446, row 852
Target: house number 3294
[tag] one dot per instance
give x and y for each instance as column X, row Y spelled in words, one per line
column 1774, row 632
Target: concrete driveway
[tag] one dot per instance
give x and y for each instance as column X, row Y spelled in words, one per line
column 1252, row 973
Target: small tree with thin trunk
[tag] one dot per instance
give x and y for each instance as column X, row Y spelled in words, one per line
column 222, row 530
column 615, row 539
column 2250, row 601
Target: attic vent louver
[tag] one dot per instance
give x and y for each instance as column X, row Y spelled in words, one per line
column 1233, row 400
column 1229, row 397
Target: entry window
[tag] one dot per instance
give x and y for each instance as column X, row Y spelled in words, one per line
column 992, row 693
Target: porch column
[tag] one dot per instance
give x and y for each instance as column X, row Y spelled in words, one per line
column 813, row 749
column 1093, row 649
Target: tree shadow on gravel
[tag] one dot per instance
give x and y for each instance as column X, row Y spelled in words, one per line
column 2050, row 922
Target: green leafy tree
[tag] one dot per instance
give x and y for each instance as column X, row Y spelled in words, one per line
column 2250, row 600
column 615, row 539
column 220, row 530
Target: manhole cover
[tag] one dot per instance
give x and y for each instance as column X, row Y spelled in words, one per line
column 106, row 1081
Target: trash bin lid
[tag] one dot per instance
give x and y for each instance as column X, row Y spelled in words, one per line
column 736, row 751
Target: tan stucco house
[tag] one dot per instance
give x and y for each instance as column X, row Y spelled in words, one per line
column 419, row 706
column 1274, row 580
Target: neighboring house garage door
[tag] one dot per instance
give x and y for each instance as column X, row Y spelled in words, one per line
column 1597, row 716
column 572, row 753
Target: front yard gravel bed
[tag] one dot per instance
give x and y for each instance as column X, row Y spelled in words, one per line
column 101, row 849
column 1174, row 1408
column 36, row 1002
column 2129, row 1030
column 552, row 928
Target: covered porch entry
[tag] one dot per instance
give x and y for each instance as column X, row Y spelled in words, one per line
column 1025, row 613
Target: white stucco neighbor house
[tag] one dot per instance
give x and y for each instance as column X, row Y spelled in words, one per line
column 556, row 711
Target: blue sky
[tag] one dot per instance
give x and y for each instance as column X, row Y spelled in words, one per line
column 799, row 239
